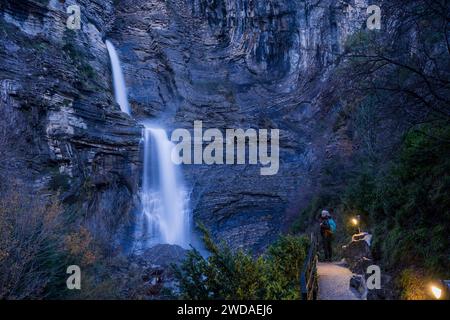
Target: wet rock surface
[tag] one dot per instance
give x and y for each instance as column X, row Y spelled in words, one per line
column 164, row 255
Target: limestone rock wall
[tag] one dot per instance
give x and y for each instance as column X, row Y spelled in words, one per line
column 241, row 64
column 61, row 129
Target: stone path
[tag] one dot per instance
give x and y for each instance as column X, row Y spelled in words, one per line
column 334, row 282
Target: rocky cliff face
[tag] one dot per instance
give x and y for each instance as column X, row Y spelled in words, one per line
column 241, row 64
column 230, row 63
column 60, row 126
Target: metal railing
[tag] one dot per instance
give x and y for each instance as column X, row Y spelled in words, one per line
column 308, row 278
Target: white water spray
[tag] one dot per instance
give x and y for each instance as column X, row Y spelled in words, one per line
column 165, row 215
column 120, row 89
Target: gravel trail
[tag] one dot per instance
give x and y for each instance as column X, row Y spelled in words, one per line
column 334, row 282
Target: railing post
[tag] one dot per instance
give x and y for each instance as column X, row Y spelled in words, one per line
column 306, row 274
column 303, row 288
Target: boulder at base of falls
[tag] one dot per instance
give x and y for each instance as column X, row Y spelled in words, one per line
column 155, row 264
column 388, row 290
column 358, row 282
column 360, row 266
column 164, row 255
column 357, row 253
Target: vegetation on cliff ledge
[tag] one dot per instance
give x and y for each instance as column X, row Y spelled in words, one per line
column 226, row 274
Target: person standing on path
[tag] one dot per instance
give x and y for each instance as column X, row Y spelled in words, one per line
column 327, row 229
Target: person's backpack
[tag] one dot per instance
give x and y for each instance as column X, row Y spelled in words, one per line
column 332, row 225
column 325, row 229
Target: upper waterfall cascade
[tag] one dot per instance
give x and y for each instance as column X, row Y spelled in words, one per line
column 120, row 88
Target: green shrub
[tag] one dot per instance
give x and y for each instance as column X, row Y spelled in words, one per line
column 414, row 284
column 78, row 57
column 32, row 258
column 237, row 275
column 409, row 207
column 37, row 244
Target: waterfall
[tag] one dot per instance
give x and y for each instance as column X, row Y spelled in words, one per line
column 120, row 89
column 165, row 214
column 166, row 217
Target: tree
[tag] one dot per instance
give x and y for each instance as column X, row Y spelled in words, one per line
column 31, row 252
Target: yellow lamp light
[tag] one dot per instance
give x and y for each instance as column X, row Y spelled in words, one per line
column 437, row 292
column 355, row 221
